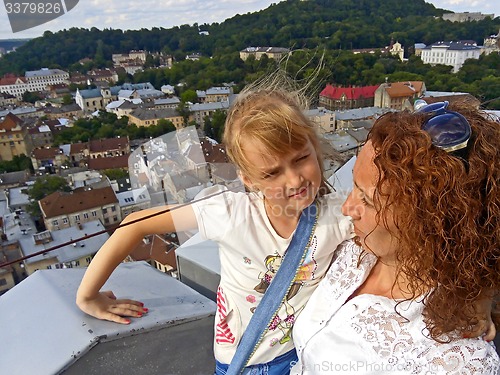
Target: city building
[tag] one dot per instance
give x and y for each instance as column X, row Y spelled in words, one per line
column 466, row 16
column 39, row 80
column 62, row 210
column 450, row 53
column 148, row 117
column 341, row 98
column 14, row 137
column 491, row 44
column 393, row 94
column 69, row 255
column 275, row 53
column 48, row 159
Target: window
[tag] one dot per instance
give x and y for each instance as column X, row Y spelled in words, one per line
column 94, row 213
column 85, row 215
column 3, row 282
column 104, row 210
column 113, row 209
column 106, row 221
column 65, row 220
column 77, row 218
column 55, row 222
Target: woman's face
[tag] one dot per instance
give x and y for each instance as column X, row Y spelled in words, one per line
column 373, row 235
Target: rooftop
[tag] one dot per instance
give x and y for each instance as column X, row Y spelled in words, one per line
column 69, row 341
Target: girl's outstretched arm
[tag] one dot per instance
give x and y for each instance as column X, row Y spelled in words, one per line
column 104, row 305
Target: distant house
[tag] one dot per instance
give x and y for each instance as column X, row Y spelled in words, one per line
column 394, row 48
column 322, row 117
column 63, row 210
column 39, row 80
column 78, row 153
column 48, row 158
column 7, row 99
column 393, row 95
column 491, row 44
column 77, row 254
column 58, row 90
column 202, row 110
column 193, row 56
column 110, row 162
column 168, row 89
column 92, row 100
column 41, row 136
column 69, row 111
column 13, row 85
column 14, row 137
column 218, row 94
column 148, row 117
column 450, row 53
column 466, row 16
column 99, row 76
column 134, row 200
column 102, row 148
column 275, row 53
column 341, row 98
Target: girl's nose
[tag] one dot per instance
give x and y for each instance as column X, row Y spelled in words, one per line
column 294, row 178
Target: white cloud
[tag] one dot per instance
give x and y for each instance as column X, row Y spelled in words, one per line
column 128, row 14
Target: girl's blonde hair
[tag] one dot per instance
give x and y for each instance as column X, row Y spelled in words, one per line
column 270, row 112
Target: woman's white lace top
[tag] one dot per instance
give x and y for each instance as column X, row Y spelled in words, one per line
column 366, row 336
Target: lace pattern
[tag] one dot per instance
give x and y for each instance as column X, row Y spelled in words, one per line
column 400, row 339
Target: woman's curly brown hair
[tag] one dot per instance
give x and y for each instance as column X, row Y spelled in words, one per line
column 447, row 212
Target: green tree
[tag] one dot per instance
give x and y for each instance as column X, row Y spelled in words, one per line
column 189, row 96
column 43, row 187
column 67, row 99
column 18, row 163
column 115, row 174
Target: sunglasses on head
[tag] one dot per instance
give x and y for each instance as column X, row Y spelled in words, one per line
column 450, row 131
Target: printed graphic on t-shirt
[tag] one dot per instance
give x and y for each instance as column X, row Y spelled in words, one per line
column 284, row 320
column 223, row 333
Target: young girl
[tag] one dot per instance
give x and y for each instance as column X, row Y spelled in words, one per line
column 277, row 152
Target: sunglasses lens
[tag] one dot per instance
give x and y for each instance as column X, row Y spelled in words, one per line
column 434, row 107
column 448, row 130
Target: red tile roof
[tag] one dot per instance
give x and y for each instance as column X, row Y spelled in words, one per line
column 60, row 203
column 11, row 121
column 76, row 148
column 114, row 162
column 46, row 153
column 10, row 79
column 102, row 145
column 350, row 93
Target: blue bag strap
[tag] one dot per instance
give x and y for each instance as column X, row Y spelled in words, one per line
column 276, row 292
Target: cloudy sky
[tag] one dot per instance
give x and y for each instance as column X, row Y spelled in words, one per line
column 128, row 14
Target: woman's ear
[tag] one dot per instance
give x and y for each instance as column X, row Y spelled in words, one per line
column 246, row 181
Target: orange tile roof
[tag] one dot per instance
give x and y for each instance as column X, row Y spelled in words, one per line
column 404, row 89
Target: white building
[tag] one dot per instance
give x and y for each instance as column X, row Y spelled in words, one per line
column 38, row 80
column 450, row 53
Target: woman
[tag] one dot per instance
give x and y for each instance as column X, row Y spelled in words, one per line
column 403, row 296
